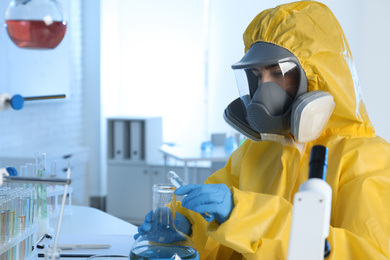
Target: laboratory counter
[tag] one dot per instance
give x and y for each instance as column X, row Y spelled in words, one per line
column 86, row 225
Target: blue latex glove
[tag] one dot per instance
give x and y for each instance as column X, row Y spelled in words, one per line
column 215, row 199
column 181, row 223
column 12, row 171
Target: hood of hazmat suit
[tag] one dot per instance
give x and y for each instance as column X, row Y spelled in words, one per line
column 264, row 176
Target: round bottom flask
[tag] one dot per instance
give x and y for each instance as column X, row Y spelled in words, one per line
column 163, row 241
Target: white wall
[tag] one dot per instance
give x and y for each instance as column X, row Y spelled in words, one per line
column 43, row 125
column 373, row 64
column 153, row 63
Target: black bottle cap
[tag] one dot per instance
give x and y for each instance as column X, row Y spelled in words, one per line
column 318, row 162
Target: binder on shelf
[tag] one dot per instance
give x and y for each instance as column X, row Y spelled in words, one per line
column 118, row 139
column 136, row 141
column 121, row 136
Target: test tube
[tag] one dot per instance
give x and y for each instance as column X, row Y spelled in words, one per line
column 27, row 206
column 15, row 210
column 22, row 249
column 40, row 159
column 5, row 204
column 33, row 205
column 22, row 213
column 7, row 210
column 178, row 182
column 22, row 207
column 23, row 173
column 30, row 172
column 175, row 179
column 3, row 223
column 12, row 214
column 33, row 193
column 52, row 200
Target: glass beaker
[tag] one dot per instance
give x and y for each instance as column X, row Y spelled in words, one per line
column 35, row 24
column 40, row 160
column 163, row 241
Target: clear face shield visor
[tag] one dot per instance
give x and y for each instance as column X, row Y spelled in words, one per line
column 275, row 85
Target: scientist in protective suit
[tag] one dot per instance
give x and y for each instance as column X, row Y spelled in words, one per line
column 298, row 88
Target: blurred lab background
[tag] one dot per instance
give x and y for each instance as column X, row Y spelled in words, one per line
column 162, row 64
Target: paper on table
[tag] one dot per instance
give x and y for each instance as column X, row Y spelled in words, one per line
column 120, row 244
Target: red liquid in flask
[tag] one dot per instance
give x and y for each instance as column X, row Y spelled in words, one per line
column 34, row 34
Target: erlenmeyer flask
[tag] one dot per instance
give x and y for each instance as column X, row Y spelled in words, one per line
column 163, row 241
column 35, row 24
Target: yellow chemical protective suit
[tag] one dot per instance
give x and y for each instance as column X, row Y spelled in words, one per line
column 264, row 176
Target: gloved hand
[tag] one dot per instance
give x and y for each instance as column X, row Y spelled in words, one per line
column 181, row 223
column 215, row 199
column 12, row 171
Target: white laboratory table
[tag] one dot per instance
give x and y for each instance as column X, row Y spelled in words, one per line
column 193, row 154
column 80, row 221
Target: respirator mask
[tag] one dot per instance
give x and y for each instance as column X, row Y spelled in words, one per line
column 273, row 97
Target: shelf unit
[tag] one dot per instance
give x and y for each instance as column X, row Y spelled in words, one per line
column 132, row 146
column 135, row 164
column 134, row 139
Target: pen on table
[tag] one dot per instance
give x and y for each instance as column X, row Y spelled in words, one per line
column 82, row 246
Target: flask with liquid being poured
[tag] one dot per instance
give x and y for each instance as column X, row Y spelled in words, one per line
column 163, row 241
column 35, row 24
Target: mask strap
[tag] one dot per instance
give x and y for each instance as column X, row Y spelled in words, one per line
column 285, row 141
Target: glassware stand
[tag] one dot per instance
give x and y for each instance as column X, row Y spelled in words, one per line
column 17, row 241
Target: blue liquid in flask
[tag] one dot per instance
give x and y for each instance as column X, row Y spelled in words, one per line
column 163, row 240
column 156, row 252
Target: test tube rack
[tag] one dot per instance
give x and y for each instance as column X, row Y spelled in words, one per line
column 11, row 249
column 18, row 223
column 23, row 245
column 13, row 246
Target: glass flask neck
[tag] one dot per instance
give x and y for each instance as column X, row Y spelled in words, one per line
column 163, row 241
column 164, row 199
column 34, row 10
